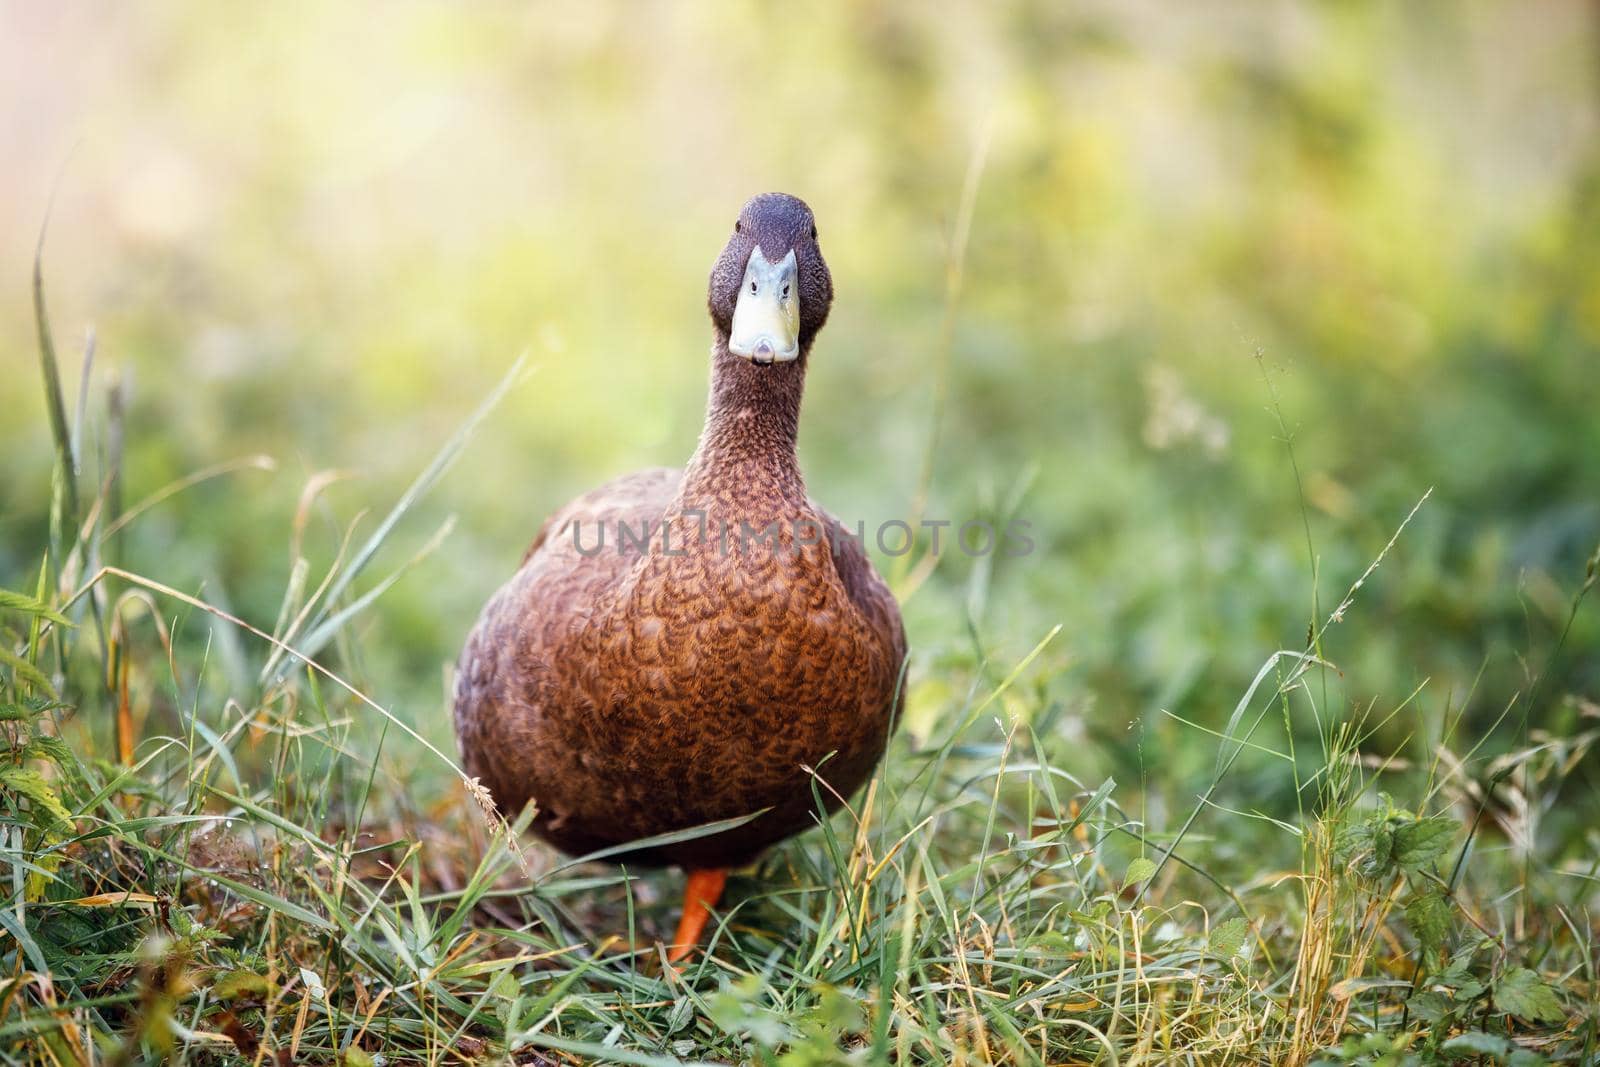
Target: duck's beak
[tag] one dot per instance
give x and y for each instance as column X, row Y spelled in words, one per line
column 766, row 319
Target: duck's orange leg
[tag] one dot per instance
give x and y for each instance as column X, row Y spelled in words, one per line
column 700, row 895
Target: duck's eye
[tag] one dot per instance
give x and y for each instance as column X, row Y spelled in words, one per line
column 752, row 288
column 813, row 232
column 786, row 290
column 738, row 225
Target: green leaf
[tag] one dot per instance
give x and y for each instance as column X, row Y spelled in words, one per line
column 17, row 713
column 1522, row 992
column 1428, row 1006
column 52, row 748
column 1526, row 1057
column 1479, row 1043
column 505, row 986
column 13, row 601
column 26, row 671
column 1047, row 944
column 1417, row 844
column 1139, row 870
column 682, row 1015
column 1382, row 858
column 1352, row 839
column 1429, row 916
column 32, row 785
column 240, row 983
column 1227, row 938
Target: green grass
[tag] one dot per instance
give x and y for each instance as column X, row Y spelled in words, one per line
column 221, row 846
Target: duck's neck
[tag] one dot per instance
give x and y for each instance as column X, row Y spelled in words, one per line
column 752, row 423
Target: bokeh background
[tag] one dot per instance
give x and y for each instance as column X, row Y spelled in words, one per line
column 324, row 232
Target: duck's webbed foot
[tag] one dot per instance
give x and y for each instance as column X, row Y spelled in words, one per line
column 700, row 894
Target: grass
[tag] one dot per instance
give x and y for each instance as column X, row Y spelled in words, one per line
column 218, row 849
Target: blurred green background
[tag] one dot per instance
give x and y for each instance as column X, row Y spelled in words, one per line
column 323, row 232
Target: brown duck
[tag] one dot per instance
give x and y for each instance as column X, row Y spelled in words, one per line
column 680, row 648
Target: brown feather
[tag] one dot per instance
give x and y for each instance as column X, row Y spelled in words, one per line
column 633, row 691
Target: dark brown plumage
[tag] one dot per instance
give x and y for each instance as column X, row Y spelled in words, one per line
column 635, row 690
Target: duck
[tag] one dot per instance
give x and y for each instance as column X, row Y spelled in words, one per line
column 680, row 648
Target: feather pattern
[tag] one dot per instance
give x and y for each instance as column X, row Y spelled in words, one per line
column 680, row 648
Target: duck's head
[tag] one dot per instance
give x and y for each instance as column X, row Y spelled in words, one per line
column 770, row 289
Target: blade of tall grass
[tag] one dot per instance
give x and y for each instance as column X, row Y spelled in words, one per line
column 54, row 396
column 275, row 666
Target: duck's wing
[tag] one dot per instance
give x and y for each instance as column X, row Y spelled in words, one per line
column 505, row 686
column 866, row 590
